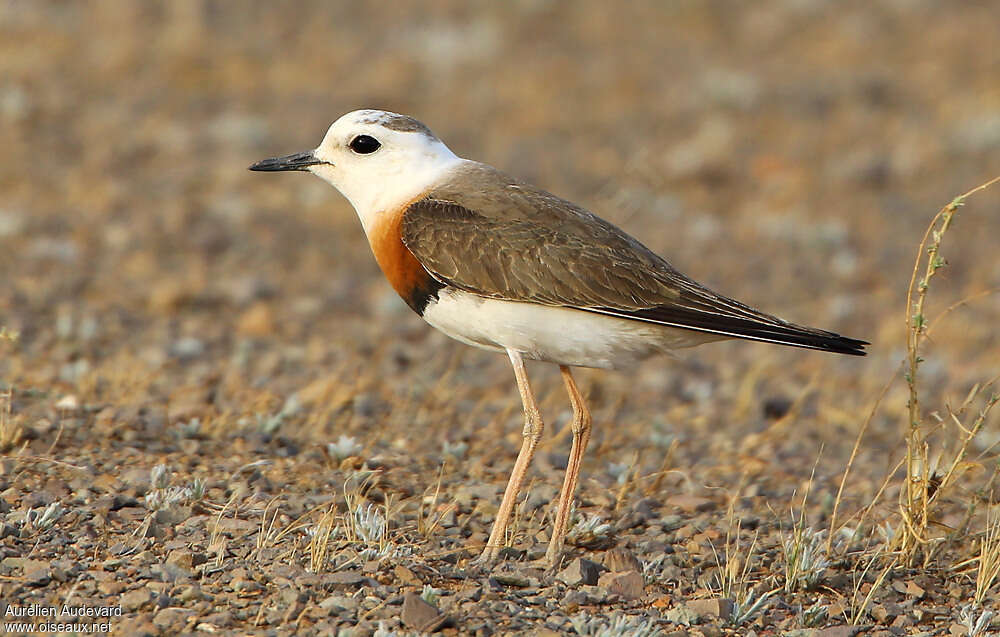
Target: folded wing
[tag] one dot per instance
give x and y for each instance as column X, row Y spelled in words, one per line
column 524, row 244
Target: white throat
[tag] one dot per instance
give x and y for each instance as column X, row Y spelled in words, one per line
column 392, row 183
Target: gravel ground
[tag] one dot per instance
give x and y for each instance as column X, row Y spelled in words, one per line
column 217, row 417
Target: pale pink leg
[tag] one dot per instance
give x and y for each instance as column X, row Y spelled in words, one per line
column 530, row 436
column 581, row 435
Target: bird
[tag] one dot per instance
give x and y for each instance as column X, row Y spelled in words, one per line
column 503, row 265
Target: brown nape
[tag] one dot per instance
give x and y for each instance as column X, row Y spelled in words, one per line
column 410, row 280
column 400, row 123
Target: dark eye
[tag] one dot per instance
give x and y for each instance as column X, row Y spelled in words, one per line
column 364, row 144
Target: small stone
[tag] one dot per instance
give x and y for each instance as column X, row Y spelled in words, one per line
column 256, row 321
column 290, row 596
column 334, row 604
column 215, row 620
column 187, row 402
column 139, row 626
column 345, row 579
column 162, row 600
column 841, row 631
column 181, row 557
column 511, row 554
column 406, row 576
column 580, row 571
column 121, row 501
column 245, row 586
column 36, row 572
column 187, row 348
column 110, row 588
column 171, row 620
column 628, row 584
column 135, row 599
column 902, row 621
column 574, row 600
column 69, row 402
column 909, row 588
column 712, row 608
column 881, row 614
column 189, row 593
column 471, row 593
column 691, row 503
column 681, row 615
column 511, row 579
column 172, row 572
column 595, row 594
column 418, row 614
column 619, row 560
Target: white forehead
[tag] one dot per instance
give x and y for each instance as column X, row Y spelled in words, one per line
column 382, row 125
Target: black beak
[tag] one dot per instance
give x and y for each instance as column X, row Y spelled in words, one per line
column 296, row 161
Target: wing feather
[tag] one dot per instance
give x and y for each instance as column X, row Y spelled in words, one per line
column 524, row 244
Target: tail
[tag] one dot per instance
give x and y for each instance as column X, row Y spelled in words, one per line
column 762, row 327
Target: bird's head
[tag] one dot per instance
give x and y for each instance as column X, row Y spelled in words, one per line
column 377, row 159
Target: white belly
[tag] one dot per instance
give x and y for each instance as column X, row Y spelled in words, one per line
column 553, row 334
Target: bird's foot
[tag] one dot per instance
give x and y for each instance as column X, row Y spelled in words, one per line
column 553, row 556
column 486, row 559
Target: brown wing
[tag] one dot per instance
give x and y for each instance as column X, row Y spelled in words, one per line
column 538, row 248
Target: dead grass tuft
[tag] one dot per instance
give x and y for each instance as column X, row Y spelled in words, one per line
column 10, row 432
column 929, row 474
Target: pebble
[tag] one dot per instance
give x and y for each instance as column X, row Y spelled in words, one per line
column 580, row 571
column 681, row 615
column 406, row 576
column 419, row 615
column 337, row 603
column 189, row 593
column 345, row 579
column 691, row 503
column 37, row 573
column 511, row 579
column 472, row 592
column 716, row 608
column 135, row 599
column 841, row 631
column 245, row 586
column 909, row 588
column 172, row 572
column 574, row 600
column 171, row 620
column 618, row 560
column 628, row 584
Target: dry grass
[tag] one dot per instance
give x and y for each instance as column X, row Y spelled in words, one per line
column 739, row 578
column 10, row 432
column 989, row 559
column 931, row 473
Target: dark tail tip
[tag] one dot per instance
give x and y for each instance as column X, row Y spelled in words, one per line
column 843, row 345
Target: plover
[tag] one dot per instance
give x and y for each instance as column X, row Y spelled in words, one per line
column 505, row 266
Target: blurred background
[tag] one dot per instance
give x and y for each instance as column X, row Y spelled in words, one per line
column 789, row 153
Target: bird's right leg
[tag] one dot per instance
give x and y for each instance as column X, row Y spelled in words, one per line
column 530, row 435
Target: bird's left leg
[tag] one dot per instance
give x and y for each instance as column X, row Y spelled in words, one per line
column 581, row 435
